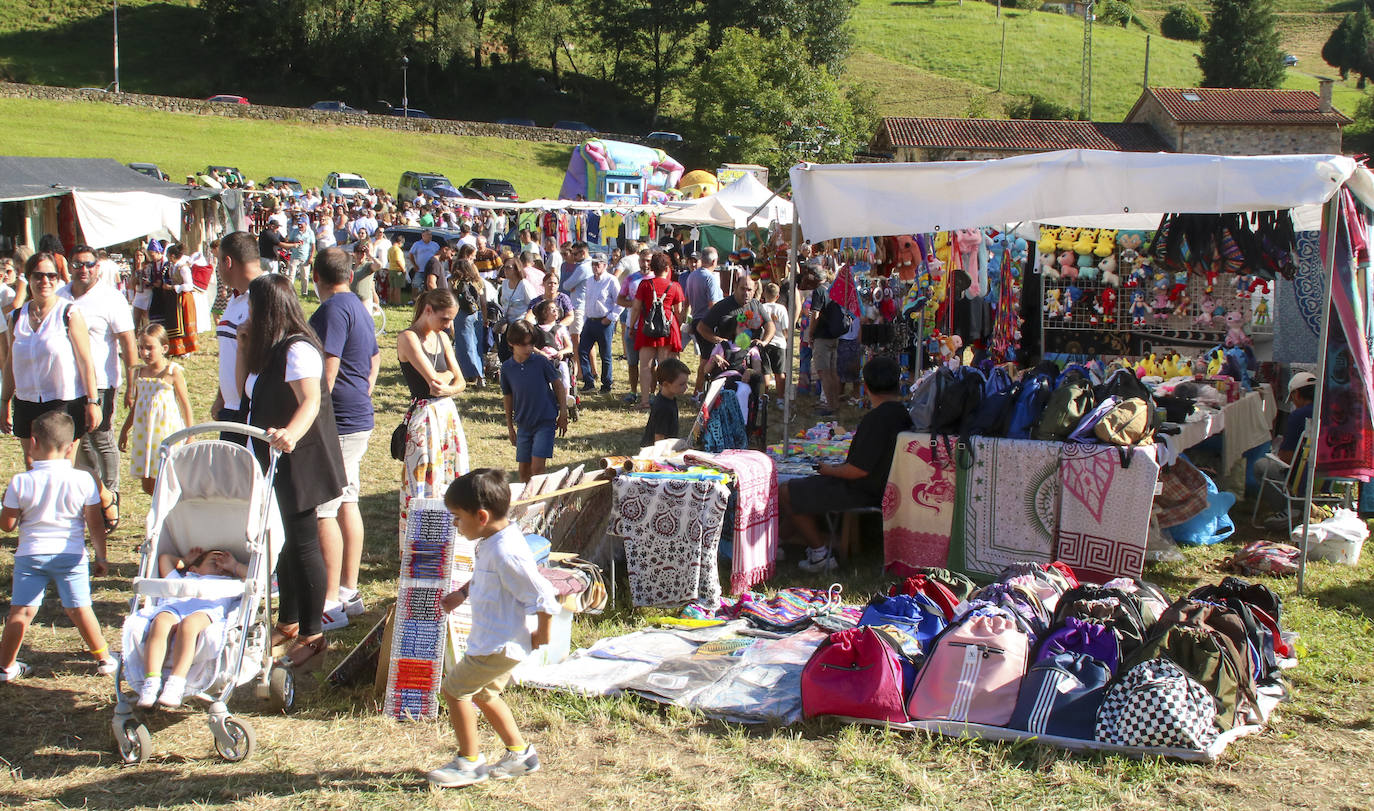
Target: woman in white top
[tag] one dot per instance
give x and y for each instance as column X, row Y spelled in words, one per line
column 49, row 365
column 515, row 294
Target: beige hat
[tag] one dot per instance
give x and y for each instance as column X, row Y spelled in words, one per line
column 1301, row 380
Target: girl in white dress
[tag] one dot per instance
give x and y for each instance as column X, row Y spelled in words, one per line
column 161, row 405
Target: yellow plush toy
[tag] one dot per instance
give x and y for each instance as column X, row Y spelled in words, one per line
column 942, row 246
column 1106, row 243
column 1087, row 240
column 1049, row 240
column 1067, row 237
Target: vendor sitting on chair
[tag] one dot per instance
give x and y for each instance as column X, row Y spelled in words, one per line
column 1301, row 389
column 861, row 479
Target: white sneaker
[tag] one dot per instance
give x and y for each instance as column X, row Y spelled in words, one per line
column 173, row 691
column 147, row 697
column 352, row 602
column 107, row 666
column 825, row 563
column 334, row 617
column 15, row 672
column 459, row 772
column 516, row 764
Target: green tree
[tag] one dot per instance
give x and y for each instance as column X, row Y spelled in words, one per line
column 763, row 100
column 1183, row 22
column 1241, row 47
column 1350, row 48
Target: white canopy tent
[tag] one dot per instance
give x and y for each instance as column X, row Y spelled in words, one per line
column 743, row 203
column 706, row 211
column 888, row 199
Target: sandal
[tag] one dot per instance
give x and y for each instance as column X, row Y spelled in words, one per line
column 306, row 655
column 111, row 524
column 282, row 639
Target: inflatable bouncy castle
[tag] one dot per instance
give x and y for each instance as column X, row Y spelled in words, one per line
column 619, row 172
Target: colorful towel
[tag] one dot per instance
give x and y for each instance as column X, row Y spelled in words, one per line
column 671, row 529
column 755, row 517
column 918, row 505
column 1298, row 304
column 1104, row 510
column 1009, row 506
column 1346, row 448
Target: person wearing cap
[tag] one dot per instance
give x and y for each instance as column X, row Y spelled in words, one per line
column 602, row 310
column 303, row 252
column 143, row 282
column 1302, row 388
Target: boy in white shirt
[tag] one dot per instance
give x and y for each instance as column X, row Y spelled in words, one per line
column 49, row 504
column 505, row 588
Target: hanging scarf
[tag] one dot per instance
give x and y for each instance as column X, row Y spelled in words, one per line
column 1346, row 424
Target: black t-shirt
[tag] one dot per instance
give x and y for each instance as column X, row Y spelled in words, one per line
column 874, row 442
column 725, row 309
column 268, row 241
column 437, row 268
column 662, row 420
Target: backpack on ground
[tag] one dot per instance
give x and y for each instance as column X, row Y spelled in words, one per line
column 973, row 674
column 913, row 614
column 1085, row 637
column 1124, row 384
column 1264, row 605
column 1068, row 404
column 1061, row 695
column 1157, row 705
column 1020, row 601
column 1038, row 578
column 857, row 672
column 1031, row 399
column 933, row 590
column 1211, row 645
column 1119, row 610
column 656, row 319
column 958, row 584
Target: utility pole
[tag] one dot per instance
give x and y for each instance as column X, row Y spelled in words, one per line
column 116, row 46
column 405, row 87
column 1002, row 59
column 1145, row 83
column 1085, row 95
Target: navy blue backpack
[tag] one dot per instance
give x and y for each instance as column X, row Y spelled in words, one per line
column 1030, row 403
column 1061, row 695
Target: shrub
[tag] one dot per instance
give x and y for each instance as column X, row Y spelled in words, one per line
column 1115, row 12
column 1183, row 22
column 1040, row 109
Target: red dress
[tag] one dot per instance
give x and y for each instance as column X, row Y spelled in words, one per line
column 672, row 296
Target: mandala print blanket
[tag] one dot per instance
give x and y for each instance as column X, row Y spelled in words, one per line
column 671, row 529
column 1104, row 510
column 1008, row 506
column 918, row 505
column 1298, row 304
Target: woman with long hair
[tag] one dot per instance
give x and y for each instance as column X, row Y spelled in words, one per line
column 179, row 303
column 658, row 287
column 471, row 296
column 281, row 374
column 50, row 244
column 436, row 450
column 515, row 295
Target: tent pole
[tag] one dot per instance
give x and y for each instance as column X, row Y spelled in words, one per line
column 1314, row 423
column 784, row 187
column 794, row 276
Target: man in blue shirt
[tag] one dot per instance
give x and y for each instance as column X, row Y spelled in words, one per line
column 304, row 251
column 702, row 288
column 574, row 276
column 1302, row 387
column 351, row 359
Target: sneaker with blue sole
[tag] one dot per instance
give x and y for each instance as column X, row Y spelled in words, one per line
column 516, row 764
column 459, row 772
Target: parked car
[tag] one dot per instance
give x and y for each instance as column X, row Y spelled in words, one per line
column 149, row 169
column 665, row 137
column 344, row 184
column 579, row 126
column 291, row 183
column 384, row 107
column 493, row 189
column 1289, row 60
column 408, row 235
column 228, row 99
column 517, row 122
column 432, row 184
column 335, row 107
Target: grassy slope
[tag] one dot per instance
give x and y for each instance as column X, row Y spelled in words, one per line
column 181, row 143
column 336, row 752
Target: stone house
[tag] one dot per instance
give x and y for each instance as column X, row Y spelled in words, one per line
column 961, row 139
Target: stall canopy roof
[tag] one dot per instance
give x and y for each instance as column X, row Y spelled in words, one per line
column 732, row 206
column 32, row 178
column 839, row 200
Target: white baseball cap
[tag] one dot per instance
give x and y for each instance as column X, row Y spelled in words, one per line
column 1301, row 380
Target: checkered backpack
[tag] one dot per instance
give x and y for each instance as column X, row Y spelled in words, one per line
column 1156, row 705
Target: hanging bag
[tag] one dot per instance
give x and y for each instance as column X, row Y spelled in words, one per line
column 656, row 319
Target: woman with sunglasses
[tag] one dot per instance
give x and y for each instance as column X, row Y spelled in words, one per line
column 49, row 366
column 13, row 290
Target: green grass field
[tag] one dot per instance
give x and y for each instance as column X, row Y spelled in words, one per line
column 335, row 751
column 182, row 143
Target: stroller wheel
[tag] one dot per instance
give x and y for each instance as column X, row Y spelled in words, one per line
column 240, row 743
column 133, row 741
column 283, row 685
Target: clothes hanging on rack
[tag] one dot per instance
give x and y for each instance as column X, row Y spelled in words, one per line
column 671, row 528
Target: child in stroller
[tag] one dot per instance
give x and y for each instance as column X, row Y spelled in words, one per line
column 187, row 619
column 739, row 360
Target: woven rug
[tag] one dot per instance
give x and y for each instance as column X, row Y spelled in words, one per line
column 1009, row 506
column 1104, row 510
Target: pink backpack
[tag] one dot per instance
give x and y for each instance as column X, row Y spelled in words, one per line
column 856, row 673
column 974, row 673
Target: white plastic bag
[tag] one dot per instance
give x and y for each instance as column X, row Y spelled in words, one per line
column 1338, row 539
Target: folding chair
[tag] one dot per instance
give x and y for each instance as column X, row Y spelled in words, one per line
column 1289, row 482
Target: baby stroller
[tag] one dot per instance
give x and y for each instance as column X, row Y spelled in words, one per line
column 733, row 415
column 210, row 494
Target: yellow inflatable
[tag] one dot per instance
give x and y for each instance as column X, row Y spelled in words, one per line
column 698, row 183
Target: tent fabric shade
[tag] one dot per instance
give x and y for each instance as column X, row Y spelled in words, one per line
column 23, row 178
column 840, row 200
column 109, row 218
column 732, row 206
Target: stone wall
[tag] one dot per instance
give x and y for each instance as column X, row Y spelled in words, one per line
column 261, row 112
column 1251, row 139
column 1150, row 111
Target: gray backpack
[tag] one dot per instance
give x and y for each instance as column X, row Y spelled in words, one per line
column 925, row 394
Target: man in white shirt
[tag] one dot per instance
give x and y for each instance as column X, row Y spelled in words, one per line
column 238, row 266
column 629, row 263
column 110, row 322
column 465, row 236
column 602, row 309
column 419, row 255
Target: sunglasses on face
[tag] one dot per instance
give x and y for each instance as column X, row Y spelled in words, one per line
column 89, row 264
column 43, row 277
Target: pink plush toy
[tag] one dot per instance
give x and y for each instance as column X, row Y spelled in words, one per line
column 1204, row 313
column 970, row 258
column 1068, row 265
column 1162, row 308
column 1235, row 329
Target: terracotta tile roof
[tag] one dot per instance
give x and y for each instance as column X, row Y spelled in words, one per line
column 1019, row 135
column 1212, row 105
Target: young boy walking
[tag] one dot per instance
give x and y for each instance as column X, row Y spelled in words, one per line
column 536, row 401
column 673, row 377
column 49, row 504
column 505, row 588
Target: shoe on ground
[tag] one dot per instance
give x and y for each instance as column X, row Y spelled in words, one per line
column 152, row 687
column 590, row 385
column 107, row 666
column 1276, row 520
column 352, row 602
column 515, row 764
column 334, row 617
column 459, row 772
column 16, row 671
column 173, row 691
column 605, row 389
column 822, row 563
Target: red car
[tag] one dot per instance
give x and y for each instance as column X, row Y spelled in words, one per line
column 225, row 99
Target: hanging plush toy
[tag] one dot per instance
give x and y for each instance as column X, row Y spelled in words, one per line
column 972, row 258
column 1068, row 265
column 1072, row 296
column 1180, row 285
column 1106, row 243
column 1204, row 311
column 1054, row 305
column 1257, row 283
column 1235, row 329
column 1019, row 251
column 906, row 257
column 1138, row 310
column 1087, row 266
column 1049, row 266
column 1161, row 306
column 1242, row 286
column 1107, row 266
column 1086, row 242
column 1262, row 312
column 1067, row 237
column 1048, row 241
column 1106, row 305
